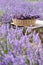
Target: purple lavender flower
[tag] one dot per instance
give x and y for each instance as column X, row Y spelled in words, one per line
column 6, row 18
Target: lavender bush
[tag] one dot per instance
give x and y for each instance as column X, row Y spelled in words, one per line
column 6, row 18
column 19, row 49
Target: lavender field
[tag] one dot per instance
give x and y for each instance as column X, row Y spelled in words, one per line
column 20, row 45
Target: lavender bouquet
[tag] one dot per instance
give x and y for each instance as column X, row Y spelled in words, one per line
column 19, row 9
column 23, row 14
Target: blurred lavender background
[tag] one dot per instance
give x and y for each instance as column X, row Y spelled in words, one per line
column 20, row 45
column 7, row 7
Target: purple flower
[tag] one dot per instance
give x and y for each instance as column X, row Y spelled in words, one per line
column 6, row 18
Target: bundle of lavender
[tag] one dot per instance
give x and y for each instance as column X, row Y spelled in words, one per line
column 24, row 15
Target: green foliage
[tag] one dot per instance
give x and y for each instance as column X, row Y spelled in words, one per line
column 4, row 40
column 1, row 13
column 6, row 51
column 27, row 61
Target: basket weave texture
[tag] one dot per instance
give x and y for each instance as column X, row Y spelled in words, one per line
column 25, row 22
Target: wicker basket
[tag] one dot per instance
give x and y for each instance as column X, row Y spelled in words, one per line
column 25, row 22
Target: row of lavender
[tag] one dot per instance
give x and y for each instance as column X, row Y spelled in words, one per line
column 17, row 48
